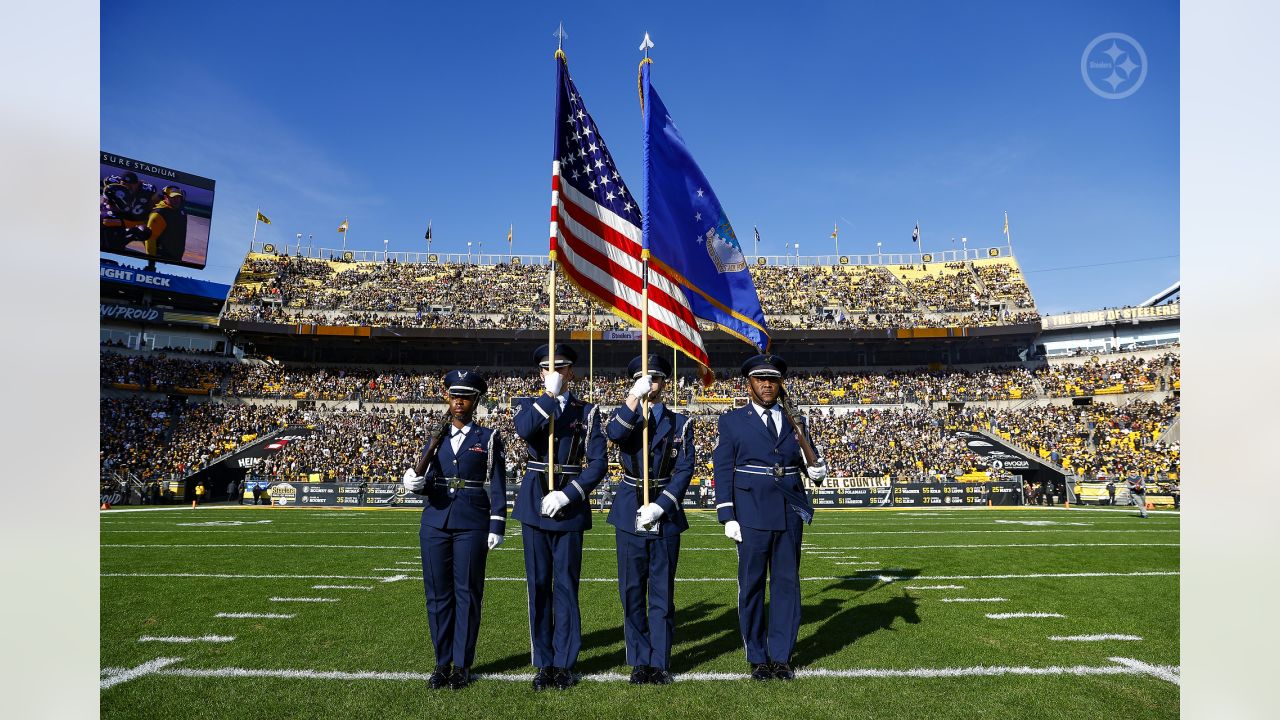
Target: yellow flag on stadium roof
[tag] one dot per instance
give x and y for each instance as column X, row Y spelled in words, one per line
column 263, row 218
column 343, row 227
column 835, row 232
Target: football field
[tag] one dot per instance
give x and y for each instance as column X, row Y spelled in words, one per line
column 992, row 613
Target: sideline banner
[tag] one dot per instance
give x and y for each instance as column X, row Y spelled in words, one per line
column 374, row 495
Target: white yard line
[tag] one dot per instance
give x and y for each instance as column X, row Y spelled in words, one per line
column 341, row 587
column 1011, row 615
column 249, row 615
column 1168, row 674
column 393, row 578
column 1122, row 666
column 994, row 599
column 1093, row 638
column 146, row 668
column 177, row 639
column 303, row 599
column 932, row 587
column 1028, row 531
column 233, row 576
column 282, row 546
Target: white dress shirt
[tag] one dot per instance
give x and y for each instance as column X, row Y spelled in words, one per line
column 459, row 434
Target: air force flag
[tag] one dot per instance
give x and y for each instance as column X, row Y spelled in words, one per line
column 687, row 232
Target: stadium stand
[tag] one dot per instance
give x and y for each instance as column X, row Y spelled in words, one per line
column 297, row 290
column 894, row 425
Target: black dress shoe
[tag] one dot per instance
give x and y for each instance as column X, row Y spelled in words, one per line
column 439, row 678
column 660, row 676
column 640, row 675
column 782, row 671
column 564, row 678
column 460, row 678
column 544, row 678
column 761, row 671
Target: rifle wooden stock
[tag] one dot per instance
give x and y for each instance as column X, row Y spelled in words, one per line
column 810, row 455
column 433, row 447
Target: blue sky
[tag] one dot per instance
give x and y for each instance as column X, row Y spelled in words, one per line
column 874, row 116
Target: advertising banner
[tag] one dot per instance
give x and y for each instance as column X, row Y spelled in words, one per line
column 995, row 454
column 373, row 495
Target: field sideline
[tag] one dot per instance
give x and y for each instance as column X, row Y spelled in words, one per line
column 233, row 612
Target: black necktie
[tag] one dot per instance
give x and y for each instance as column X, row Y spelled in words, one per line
column 769, row 423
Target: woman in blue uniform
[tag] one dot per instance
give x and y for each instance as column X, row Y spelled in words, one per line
column 462, row 473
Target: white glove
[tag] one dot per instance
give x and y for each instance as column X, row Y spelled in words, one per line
column 733, row 531
column 414, row 482
column 552, row 381
column 650, row 513
column 495, row 540
column 641, row 387
column 818, row 473
column 554, row 502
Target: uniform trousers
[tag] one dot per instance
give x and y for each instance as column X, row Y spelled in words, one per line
column 453, row 572
column 774, row 555
column 553, row 565
column 647, row 586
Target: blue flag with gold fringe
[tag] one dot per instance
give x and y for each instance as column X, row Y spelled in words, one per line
column 687, row 233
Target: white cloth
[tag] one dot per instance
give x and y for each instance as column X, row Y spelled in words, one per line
column 733, row 531
column 650, row 513
column 641, row 387
column 414, row 482
column 495, row 540
column 458, row 436
column 553, row 382
column 554, row 502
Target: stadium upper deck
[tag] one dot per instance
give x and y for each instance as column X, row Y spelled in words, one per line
column 431, row 291
column 948, row 307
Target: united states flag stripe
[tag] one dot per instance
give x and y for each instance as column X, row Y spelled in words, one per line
column 621, row 251
column 596, row 231
column 590, row 259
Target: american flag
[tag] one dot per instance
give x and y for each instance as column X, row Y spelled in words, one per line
column 596, row 230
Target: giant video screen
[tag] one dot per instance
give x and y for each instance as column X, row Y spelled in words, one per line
column 154, row 212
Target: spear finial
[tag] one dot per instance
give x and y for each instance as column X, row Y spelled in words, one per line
column 560, row 35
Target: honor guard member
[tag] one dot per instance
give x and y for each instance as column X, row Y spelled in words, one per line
column 552, row 521
column 758, row 463
column 648, row 535
column 463, row 518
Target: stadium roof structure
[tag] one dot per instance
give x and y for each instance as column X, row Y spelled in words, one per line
column 1165, row 295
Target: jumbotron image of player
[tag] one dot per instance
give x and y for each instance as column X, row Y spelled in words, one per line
column 126, row 202
column 165, row 232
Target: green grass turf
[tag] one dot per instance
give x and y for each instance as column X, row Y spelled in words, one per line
column 851, row 619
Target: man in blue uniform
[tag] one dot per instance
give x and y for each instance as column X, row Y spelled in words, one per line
column 648, row 535
column 758, row 461
column 553, row 520
column 463, row 518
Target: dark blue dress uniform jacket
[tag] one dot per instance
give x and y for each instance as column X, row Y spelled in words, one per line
column 671, row 447
column 471, row 508
column 746, row 489
column 578, row 431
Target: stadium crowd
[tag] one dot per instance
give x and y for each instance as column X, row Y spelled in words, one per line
column 148, row 440
column 313, row 291
column 402, row 385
